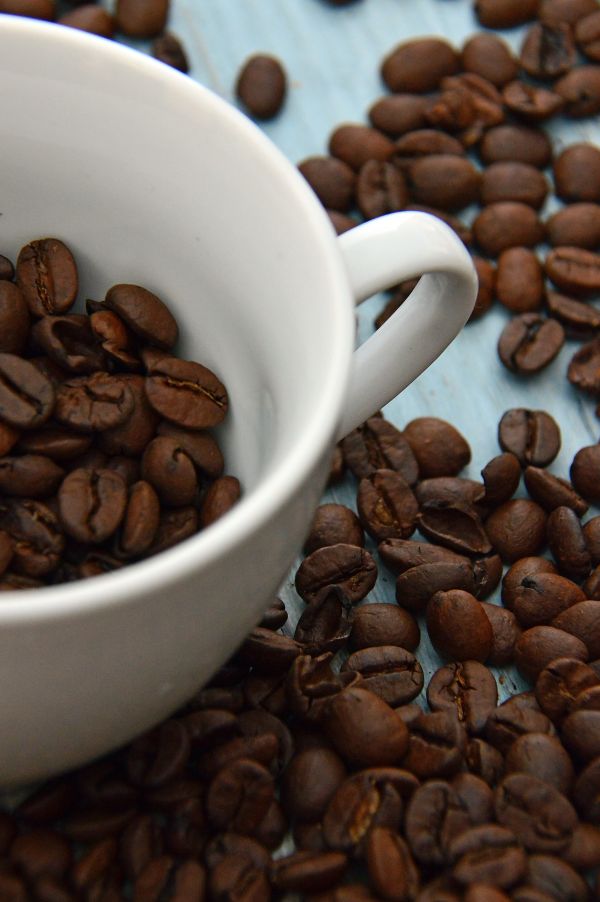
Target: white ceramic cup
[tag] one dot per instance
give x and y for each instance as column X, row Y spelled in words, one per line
column 152, row 179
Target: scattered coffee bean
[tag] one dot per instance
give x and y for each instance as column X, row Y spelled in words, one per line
column 261, row 85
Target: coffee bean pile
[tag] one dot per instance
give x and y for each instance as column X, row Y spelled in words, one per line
column 106, row 449
column 322, row 742
column 465, row 127
column 130, row 18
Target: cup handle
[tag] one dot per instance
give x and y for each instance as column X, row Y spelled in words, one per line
column 381, row 253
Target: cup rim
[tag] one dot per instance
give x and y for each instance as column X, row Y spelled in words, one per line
column 253, row 511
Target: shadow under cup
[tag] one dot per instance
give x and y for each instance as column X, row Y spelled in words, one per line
column 150, row 179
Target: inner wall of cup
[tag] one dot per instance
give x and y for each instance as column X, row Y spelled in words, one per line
column 148, row 187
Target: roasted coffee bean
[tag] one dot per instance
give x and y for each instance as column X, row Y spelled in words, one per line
column 484, row 761
column 574, row 270
column 27, row 397
column 582, row 620
column 488, row 854
column 489, row 56
column 355, row 144
column 517, row 529
column 239, row 796
column 7, row 270
column 543, row 596
column 40, row 853
column 14, row 319
column 397, row 114
column 380, row 188
column 391, row 672
column 423, row 143
column 530, row 342
column 90, row 18
column 513, row 181
column 444, row 180
column 159, row 755
column 325, row 624
column 46, row 274
column 533, row 436
column 364, row 729
column 457, row 526
column 486, row 275
column 351, row 568
column 591, row 532
column 582, row 371
column 558, row 685
column 29, row 476
column 377, row 444
column 584, row 472
column 576, row 225
column 36, row 539
column 487, row 573
column 530, row 102
column 583, row 852
column 580, row 320
column 186, row 393
column 580, row 734
column 310, row 781
column 505, row 632
column 434, row 817
column 436, row 747
column 311, row 686
column 332, row 180
column 501, row 477
column 476, row 796
column 308, row 871
column 201, row 447
column 520, row 280
column 467, row 690
column 507, row 224
column 140, row 19
column 383, row 624
column 551, row 491
column 269, row 652
column 585, row 792
column 513, row 718
column 140, row 521
column 168, row 49
column 419, row 65
column 392, row 869
column 139, row 843
column 587, row 34
column 544, row 757
column 541, row 817
column 576, row 173
column 458, row 627
column 438, row 446
column 516, row 143
column 504, row 13
column 548, row 50
column 92, row 504
column 540, row 645
column 451, row 489
column 402, row 554
column 414, row 587
column 386, row 505
column 218, row 500
column 69, row 342
column 549, row 874
column 580, row 89
column 169, row 471
column 94, row 403
column 569, row 11
column 567, row 543
column 261, row 85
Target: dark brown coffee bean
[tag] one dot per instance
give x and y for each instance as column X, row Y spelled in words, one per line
column 467, row 690
column 200, row 446
column 139, row 19
column 544, row 757
column 583, row 852
column 488, row 854
column 542, row 597
column 383, row 624
column 423, row 143
column 186, row 393
column 221, row 496
column 501, row 477
column 332, row 180
column 41, row 853
column 567, row 543
column 582, row 620
column 580, row 734
column 418, row 66
column 507, row 224
column 397, row 114
column 574, row 270
column 438, row 446
column 444, row 180
column 569, row 11
column 269, row 652
column 310, row 781
column 584, row 472
column 517, row 529
column 449, row 489
column 577, row 174
column 137, row 428
column 351, row 568
column 533, row 436
column 169, row 471
column 540, row 816
column 576, row 225
column 489, row 56
column 521, row 571
column 587, row 34
column 434, row 817
column 168, row 49
column 591, row 531
column 505, row 632
column 437, row 745
column 585, row 792
column 403, row 554
column 387, row 506
column 516, row 143
column 36, row 539
column 540, row 645
column 380, row 188
column 325, row 624
column 239, row 796
column 47, row 276
column 548, row 50
column 582, row 371
column 484, row 761
column 581, row 91
column 458, row 526
column 530, row 342
column 392, row 869
column 519, row 280
column 7, row 270
column 26, row 396
column 14, row 319
column 550, row 875
column 140, row 521
column 530, row 102
column 355, row 144
column 513, row 181
column 159, row 755
column 580, row 320
column 92, row 504
column 458, row 627
column 90, row 18
column 392, row 673
column 551, row 491
column 364, row 729
column 486, row 276
column 29, row 476
column 514, row 718
column 93, row 403
column 139, row 843
column 414, row 587
column 558, row 685
column 476, row 796
column 504, row 13
column 311, row 686
column 377, row 444
column 261, row 85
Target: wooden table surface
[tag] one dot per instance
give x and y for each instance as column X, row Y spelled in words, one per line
column 332, row 56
